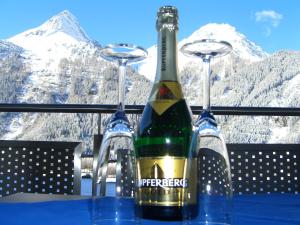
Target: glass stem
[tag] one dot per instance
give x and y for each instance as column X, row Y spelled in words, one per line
column 122, row 76
column 206, row 83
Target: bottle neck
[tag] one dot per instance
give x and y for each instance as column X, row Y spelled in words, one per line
column 167, row 55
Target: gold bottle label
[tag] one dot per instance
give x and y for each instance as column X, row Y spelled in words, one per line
column 165, row 94
column 162, row 181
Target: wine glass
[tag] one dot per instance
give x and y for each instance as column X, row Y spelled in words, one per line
column 208, row 158
column 115, row 177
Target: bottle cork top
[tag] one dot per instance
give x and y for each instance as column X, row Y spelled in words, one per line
column 167, row 16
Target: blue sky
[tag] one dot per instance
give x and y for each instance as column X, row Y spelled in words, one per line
column 272, row 24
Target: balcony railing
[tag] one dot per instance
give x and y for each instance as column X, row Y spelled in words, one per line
column 253, row 166
column 137, row 109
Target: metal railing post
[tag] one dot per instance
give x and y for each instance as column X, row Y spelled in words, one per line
column 99, row 124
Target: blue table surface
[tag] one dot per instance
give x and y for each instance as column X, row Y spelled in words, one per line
column 273, row 209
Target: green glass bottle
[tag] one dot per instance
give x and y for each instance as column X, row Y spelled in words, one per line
column 164, row 133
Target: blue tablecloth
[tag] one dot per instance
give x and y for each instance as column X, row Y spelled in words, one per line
column 274, row 209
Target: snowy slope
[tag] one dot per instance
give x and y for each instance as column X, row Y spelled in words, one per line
column 45, row 46
column 242, row 47
column 7, row 48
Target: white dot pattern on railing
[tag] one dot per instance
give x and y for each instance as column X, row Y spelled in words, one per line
column 255, row 172
column 36, row 170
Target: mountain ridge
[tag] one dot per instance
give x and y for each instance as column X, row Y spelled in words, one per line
column 242, row 47
column 64, row 22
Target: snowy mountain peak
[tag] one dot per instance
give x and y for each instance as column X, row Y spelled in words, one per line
column 64, row 22
column 242, row 47
column 211, row 29
column 60, row 29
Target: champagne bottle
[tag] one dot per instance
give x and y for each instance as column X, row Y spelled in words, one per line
column 164, row 133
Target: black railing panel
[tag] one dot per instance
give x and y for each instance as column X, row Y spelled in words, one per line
column 265, row 168
column 40, row 167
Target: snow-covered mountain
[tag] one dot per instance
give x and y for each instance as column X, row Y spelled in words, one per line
column 62, row 28
column 43, row 49
column 243, row 48
column 45, row 46
column 58, row 63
